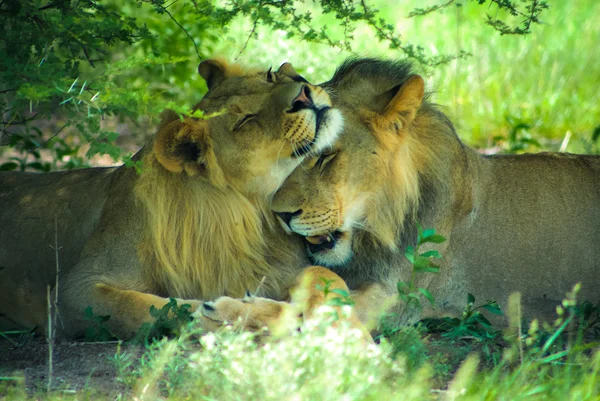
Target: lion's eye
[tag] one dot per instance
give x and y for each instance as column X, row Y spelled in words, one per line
column 243, row 120
column 270, row 76
column 325, row 158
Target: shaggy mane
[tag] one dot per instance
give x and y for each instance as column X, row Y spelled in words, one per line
column 200, row 241
column 421, row 155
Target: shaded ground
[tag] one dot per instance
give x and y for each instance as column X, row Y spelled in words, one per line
column 85, row 366
column 76, row 365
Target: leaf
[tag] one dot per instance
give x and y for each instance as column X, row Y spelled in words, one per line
column 482, row 320
column 557, row 333
column 402, row 286
column 493, row 308
column 430, row 269
column 410, row 254
column 426, row 234
column 596, row 134
column 337, row 301
column 88, row 314
column 420, row 263
column 427, row 295
column 553, row 357
column 436, row 239
column 341, row 292
column 431, row 254
column 9, row 166
column 470, row 298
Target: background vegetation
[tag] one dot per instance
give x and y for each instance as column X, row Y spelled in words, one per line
column 77, row 77
column 81, row 79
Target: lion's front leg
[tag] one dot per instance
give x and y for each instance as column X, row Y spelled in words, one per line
column 128, row 309
column 315, row 287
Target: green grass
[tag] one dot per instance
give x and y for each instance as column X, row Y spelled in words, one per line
column 548, row 78
column 333, row 364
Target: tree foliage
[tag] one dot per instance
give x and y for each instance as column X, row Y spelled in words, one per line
column 67, row 67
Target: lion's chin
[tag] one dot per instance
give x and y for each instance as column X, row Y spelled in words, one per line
column 330, row 250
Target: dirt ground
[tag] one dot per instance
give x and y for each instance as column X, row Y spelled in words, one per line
column 76, row 365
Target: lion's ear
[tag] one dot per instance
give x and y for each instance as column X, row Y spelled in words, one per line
column 184, row 146
column 213, row 72
column 289, row 71
column 403, row 102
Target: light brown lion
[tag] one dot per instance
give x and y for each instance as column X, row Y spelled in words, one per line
column 315, row 287
column 194, row 225
column 527, row 223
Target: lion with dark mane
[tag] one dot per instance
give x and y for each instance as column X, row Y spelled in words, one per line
column 194, row 225
column 526, row 223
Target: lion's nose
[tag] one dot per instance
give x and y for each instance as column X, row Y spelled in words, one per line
column 303, row 100
column 286, row 217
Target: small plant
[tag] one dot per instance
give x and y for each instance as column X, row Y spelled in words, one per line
column 168, row 321
column 421, row 263
column 97, row 330
column 472, row 324
column 123, row 363
column 343, row 297
column 519, row 138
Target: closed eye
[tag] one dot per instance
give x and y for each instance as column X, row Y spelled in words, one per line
column 243, row 120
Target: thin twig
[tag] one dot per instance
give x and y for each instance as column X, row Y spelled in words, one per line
column 254, row 25
column 56, row 249
column 49, row 139
column 50, row 339
column 182, row 28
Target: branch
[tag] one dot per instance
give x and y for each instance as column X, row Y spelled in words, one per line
column 180, row 26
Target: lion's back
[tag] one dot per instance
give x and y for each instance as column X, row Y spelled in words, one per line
column 534, row 228
column 30, row 203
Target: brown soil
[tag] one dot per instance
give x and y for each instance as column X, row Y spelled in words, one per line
column 76, row 366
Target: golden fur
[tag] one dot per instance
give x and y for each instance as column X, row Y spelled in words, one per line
column 280, row 318
column 527, row 223
column 193, row 225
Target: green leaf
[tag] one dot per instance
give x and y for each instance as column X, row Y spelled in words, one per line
column 427, row 295
column 493, row 308
column 470, row 298
column 402, row 286
column 557, row 333
column 430, row 269
column 410, row 254
column 431, row 254
column 554, row 357
column 436, row 239
column 420, row 263
column 9, row 166
column 341, row 292
column 426, row 234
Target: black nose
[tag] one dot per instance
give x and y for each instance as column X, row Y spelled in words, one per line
column 303, row 100
column 287, row 216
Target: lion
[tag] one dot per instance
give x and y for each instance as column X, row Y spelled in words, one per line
column 513, row 223
column 194, row 225
column 315, row 288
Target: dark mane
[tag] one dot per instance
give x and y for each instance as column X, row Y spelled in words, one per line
column 393, row 71
column 378, row 76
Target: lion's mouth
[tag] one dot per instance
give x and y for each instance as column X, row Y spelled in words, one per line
column 308, row 145
column 320, row 243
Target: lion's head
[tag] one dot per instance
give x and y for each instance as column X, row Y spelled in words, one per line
column 206, row 183
column 265, row 123
column 359, row 192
